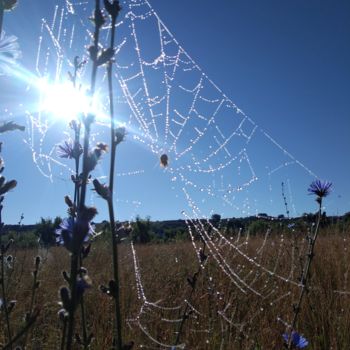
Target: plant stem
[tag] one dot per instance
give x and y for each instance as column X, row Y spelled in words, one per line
column 81, row 198
column 187, row 307
column 87, row 126
column 110, row 199
column 1, row 17
column 20, row 334
column 3, row 289
column 116, row 276
column 118, row 321
column 85, row 173
column 72, row 306
column 63, row 340
column 76, row 252
column 77, row 163
column 305, row 275
column 30, row 313
column 96, row 39
column 83, row 314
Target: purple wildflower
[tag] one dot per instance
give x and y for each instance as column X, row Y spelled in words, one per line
column 320, row 188
column 73, row 233
column 83, row 283
column 69, row 150
column 298, row 341
column 9, row 53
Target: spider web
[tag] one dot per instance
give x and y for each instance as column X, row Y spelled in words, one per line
column 220, row 160
column 218, row 156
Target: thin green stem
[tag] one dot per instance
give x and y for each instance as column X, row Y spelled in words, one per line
column 83, row 314
column 73, row 299
column 20, row 334
column 85, row 173
column 3, row 289
column 110, row 200
column 305, row 275
column 77, row 163
column 87, row 125
column 116, row 276
column 30, row 312
column 183, row 319
column 187, row 307
column 111, row 112
column 64, row 331
column 1, row 16
column 96, row 40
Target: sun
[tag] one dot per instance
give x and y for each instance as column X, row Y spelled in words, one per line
column 66, row 102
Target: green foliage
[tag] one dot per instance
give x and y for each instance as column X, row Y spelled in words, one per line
column 46, row 231
column 26, row 239
column 141, row 230
column 347, row 217
column 215, row 220
column 258, row 227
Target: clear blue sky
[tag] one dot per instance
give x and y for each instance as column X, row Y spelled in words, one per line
column 283, row 63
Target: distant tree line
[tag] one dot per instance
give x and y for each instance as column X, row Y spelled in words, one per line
column 146, row 231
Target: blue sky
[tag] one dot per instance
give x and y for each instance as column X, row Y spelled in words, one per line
column 283, row 63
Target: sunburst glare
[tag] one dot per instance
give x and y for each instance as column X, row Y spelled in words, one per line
column 66, row 102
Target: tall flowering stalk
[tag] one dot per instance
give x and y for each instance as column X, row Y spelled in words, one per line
column 6, row 305
column 117, row 136
column 5, row 186
column 74, row 150
column 77, row 229
column 320, row 189
column 4, row 302
column 35, row 286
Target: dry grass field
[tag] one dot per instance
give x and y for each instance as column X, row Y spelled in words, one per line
column 218, row 314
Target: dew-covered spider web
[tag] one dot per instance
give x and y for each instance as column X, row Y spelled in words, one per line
column 219, row 161
column 219, row 158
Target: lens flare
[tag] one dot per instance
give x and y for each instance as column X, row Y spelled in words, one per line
column 66, row 102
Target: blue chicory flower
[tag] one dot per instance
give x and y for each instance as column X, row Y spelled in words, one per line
column 298, row 341
column 72, row 233
column 320, row 188
column 9, row 53
column 69, row 150
column 83, row 283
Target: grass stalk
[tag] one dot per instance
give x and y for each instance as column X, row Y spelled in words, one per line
column 3, row 288
column 73, row 300
column 83, row 314
column 305, row 274
column 32, row 299
column 185, row 313
column 118, row 320
column 21, row 333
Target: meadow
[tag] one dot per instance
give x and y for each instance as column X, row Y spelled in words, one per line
column 204, row 282
column 220, row 316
